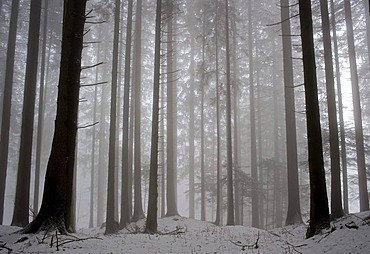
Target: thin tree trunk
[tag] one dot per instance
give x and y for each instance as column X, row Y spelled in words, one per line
column 361, row 166
column 40, row 120
column 138, row 207
column 125, row 203
column 111, row 224
column 340, row 111
column 294, row 207
column 336, row 195
column 7, row 99
column 230, row 195
column 151, row 222
column 22, row 194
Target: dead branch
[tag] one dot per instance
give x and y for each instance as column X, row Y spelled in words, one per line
column 282, row 21
column 176, row 231
column 296, row 246
column 91, row 66
column 77, row 240
column 87, row 125
column 364, row 220
column 2, row 246
column 95, row 84
column 247, row 246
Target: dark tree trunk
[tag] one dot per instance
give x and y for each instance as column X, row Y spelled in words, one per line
column 125, row 207
column 336, row 192
column 319, row 210
column 151, row 222
column 22, row 194
column 138, row 207
column 54, row 207
column 7, row 100
column 229, row 158
column 361, row 165
column 294, row 208
column 111, row 224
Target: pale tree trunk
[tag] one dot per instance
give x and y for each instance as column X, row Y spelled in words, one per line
column 254, row 173
column 319, row 210
column 361, row 166
column 111, row 224
column 151, row 222
column 294, row 208
column 340, row 111
column 7, row 100
column 125, row 203
column 40, row 120
column 336, row 195
column 230, row 195
column 22, row 194
column 171, row 115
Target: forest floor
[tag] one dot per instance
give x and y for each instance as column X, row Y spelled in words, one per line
column 350, row 234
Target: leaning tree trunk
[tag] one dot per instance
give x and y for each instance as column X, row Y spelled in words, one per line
column 7, row 101
column 54, row 205
column 319, row 210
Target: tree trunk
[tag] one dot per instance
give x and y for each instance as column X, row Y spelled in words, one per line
column 230, row 195
column 22, row 194
column 138, row 207
column 171, row 116
column 151, row 222
column 40, row 120
column 319, row 210
column 54, row 207
column 111, row 224
column 294, row 207
column 361, row 165
column 340, row 111
column 336, row 192
column 125, row 207
column 7, row 100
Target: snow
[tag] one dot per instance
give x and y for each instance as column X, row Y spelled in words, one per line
column 350, row 234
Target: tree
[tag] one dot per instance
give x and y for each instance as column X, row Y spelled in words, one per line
column 171, row 114
column 336, row 195
column 138, row 207
column 254, row 173
column 230, row 195
column 22, row 194
column 7, row 99
column 319, row 210
column 111, row 224
column 294, row 208
column 151, row 222
column 125, row 207
column 54, row 207
column 360, row 153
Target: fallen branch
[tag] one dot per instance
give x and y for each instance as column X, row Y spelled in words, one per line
column 364, row 220
column 248, row 246
column 296, row 246
column 77, row 240
column 2, row 246
column 174, row 232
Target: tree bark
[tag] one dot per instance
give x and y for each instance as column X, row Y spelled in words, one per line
column 54, row 207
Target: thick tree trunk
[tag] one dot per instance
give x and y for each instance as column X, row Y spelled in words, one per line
column 151, row 222
column 54, row 205
column 294, row 208
column 319, row 210
column 361, row 165
column 7, row 100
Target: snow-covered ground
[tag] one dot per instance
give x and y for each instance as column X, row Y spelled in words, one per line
column 350, row 234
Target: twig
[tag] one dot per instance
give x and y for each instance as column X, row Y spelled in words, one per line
column 248, row 246
column 78, row 240
column 2, row 246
